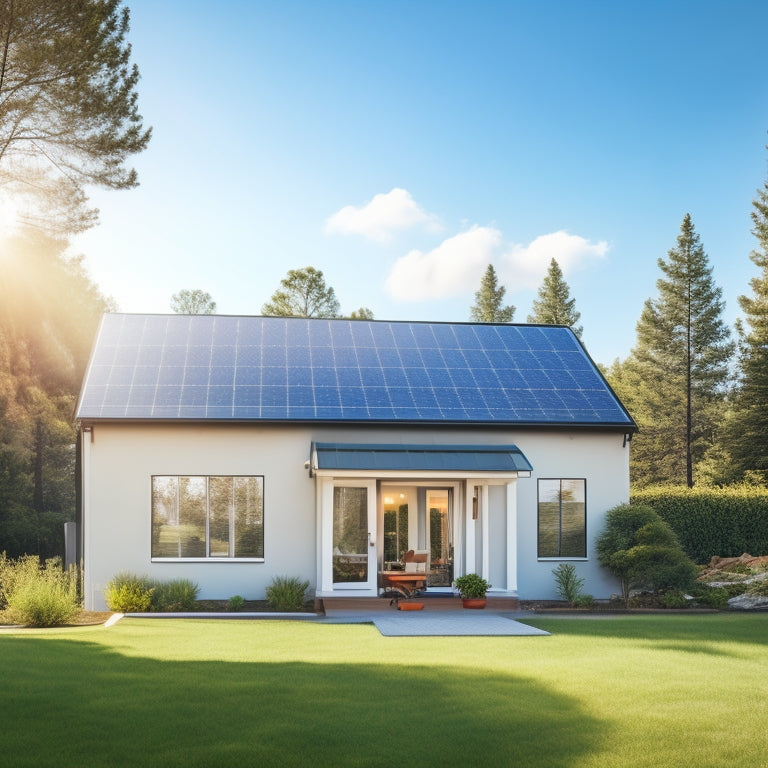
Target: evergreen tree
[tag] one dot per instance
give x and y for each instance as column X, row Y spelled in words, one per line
column 303, row 294
column 49, row 312
column 747, row 433
column 489, row 301
column 68, row 103
column 554, row 306
column 679, row 367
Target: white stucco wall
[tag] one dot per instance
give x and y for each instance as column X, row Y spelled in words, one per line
column 120, row 459
column 603, row 460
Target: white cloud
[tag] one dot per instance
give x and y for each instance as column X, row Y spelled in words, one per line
column 456, row 266
column 448, row 270
column 523, row 267
column 382, row 216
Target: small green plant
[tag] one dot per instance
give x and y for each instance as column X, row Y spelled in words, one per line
column 129, row 593
column 584, row 601
column 759, row 588
column 40, row 596
column 235, row 603
column 287, row 593
column 712, row 597
column 174, row 596
column 568, row 583
column 673, row 598
column 471, row 586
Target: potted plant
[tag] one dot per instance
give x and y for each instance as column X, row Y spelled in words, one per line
column 472, row 589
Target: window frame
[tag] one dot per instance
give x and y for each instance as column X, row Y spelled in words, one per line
column 550, row 558
column 207, row 558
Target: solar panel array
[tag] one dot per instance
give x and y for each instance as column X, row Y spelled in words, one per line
column 215, row 367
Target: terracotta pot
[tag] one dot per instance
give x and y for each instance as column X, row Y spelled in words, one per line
column 411, row 606
column 474, row 602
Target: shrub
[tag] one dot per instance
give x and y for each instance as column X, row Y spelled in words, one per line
column 759, row 588
column 129, row 593
column 584, row 601
column 674, row 599
column 642, row 551
column 655, row 567
column 567, row 583
column 712, row 521
column 235, row 603
column 712, row 597
column 287, row 593
column 173, row 596
column 40, row 596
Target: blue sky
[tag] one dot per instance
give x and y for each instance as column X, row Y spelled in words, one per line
column 402, row 146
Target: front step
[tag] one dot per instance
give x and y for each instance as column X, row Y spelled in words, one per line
column 431, row 603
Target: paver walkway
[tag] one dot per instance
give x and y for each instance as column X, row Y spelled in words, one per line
column 437, row 623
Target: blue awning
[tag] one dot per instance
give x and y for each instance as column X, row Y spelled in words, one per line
column 424, row 458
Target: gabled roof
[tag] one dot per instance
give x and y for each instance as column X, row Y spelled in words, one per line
column 226, row 368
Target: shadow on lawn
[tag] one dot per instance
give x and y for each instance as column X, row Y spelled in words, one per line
column 690, row 633
column 75, row 703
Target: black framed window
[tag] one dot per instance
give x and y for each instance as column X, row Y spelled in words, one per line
column 562, row 517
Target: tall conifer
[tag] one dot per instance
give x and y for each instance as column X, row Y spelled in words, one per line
column 747, row 436
column 489, row 301
column 554, row 305
column 679, row 365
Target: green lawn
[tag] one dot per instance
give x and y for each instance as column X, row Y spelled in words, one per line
column 670, row 690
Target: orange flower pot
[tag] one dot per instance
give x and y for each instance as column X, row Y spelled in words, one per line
column 474, row 602
column 411, row 606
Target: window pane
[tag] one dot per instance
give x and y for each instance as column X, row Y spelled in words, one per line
column 192, row 502
column 165, row 517
column 221, row 507
column 549, row 518
column 573, row 540
column 562, row 518
column 249, row 517
column 395, row 526
column 350, row 535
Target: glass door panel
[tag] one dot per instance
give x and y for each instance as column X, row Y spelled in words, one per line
column 396, row 541
column 440, row 536
column 353, row 551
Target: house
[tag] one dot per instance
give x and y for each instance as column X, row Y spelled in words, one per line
column 230, row 450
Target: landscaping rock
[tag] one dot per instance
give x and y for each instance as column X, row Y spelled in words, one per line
column 748, row 602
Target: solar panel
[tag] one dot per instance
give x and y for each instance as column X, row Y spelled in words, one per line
column 299, row 369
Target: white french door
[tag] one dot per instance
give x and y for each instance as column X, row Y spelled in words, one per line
column 353, row 555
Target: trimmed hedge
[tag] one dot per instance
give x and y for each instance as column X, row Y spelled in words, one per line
column 712, row 521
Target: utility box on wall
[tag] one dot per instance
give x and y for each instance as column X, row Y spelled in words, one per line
column 70, row 545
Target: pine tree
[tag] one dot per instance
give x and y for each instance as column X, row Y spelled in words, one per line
column 68, row 104
column 49, row 313
column 679, row 365
column 489, row 306
column 554, row 305
column 747, row 433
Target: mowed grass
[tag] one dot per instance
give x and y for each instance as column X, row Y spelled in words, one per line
column 670, row 690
